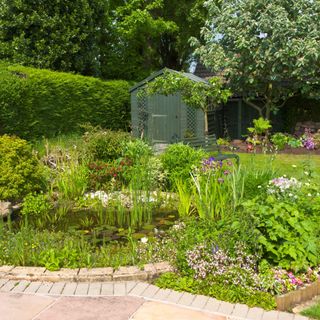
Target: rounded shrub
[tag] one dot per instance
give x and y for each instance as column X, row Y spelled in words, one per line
column 104, row 145
column 20, row 171
column 179, row 160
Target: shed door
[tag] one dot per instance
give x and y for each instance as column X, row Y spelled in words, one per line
column 165, row 119
column 160, row 128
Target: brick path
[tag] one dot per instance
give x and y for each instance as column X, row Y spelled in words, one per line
column 116, row 301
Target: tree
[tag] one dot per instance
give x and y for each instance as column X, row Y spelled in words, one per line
column 266, row 50
column 57, row 34
column 148, row 35
column 201, row 95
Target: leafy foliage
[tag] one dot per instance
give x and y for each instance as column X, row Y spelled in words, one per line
column 59, row 35
column 104, row 144
column 179, row 159
column 20, row 171
column 153, row 34
column 267, row 50
column 201, row 95
column 287, row 233
column 35, row 103
column 234, row 294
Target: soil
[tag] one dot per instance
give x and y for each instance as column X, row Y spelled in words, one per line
column 242, row 147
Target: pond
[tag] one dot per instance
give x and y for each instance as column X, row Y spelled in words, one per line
column 102, row 226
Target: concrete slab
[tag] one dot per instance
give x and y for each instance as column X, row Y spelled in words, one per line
column 161, row 311
column 22, row 306
column 103, row 308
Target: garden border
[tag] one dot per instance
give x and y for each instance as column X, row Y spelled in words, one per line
column 291, row 299
column 134, row 273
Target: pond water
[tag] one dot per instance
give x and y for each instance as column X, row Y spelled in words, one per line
column 104, row 226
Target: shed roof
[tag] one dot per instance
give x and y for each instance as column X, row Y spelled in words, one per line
column 161, row 72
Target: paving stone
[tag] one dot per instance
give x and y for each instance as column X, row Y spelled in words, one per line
column 270, row 315
column 9, row 286
column 119, row 289
column 174, row 296
column 33, row 287
column 299, row 317
column 17, row 306
column 160, row 311
column 63, row 274
column 130, row 285
column 69, row 289
column 138, row 289
column 255, row 314
column 107, row 288
column 150, row 269
column 82, row 289
column 20, row 273
column 212, row 305
column 57, row 288
column 186, row 299
column 199, row 302
column 5, row 269
column 162, row 294
column 3, row 282
column 285, row 316
column 94, row 289
column 23, row 284
column 45, row 287
column 240, row 310
column 162, row 267
column 90, row 308
column 129, row 273
column 95, row 274
column 150, row 291
column 226, row 308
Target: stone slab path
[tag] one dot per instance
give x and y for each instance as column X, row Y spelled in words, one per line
column 27, row 300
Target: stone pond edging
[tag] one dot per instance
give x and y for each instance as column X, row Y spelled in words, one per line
column 146, row 272
column 291, row 299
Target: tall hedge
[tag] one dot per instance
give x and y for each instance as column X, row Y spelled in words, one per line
column 35, row 103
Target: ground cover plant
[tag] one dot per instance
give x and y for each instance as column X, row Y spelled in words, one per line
column 312, row 312
column 237, row 233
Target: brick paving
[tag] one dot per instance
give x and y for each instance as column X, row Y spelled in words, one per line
column 140, row 293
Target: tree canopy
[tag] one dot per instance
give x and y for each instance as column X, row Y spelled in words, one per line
column 124, row 39
column 56, row 34
column 149, row 35
column 266, row 50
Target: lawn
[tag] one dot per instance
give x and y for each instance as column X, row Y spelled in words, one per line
column 312, row 312
column 283, row 163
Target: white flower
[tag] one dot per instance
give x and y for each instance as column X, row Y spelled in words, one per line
column 294, row 166
column 144, row 240
column 309, row 195
column 259, row 187
column 307, row 184
column 290, row 194
column 306, row 173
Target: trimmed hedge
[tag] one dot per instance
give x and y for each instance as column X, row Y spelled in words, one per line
column 36, row 103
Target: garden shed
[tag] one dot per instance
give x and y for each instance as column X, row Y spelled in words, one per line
column 165, row 119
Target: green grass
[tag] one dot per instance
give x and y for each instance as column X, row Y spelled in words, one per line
column 312, row 312
column 291, row 165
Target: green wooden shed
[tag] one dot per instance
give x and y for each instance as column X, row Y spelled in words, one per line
column 164, row 119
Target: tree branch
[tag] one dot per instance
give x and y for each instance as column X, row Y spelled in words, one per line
column 251, row 104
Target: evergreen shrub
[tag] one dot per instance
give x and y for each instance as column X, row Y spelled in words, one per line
column 36, row 103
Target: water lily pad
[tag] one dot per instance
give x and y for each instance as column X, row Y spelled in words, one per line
column 148, row 227
column 138, row 235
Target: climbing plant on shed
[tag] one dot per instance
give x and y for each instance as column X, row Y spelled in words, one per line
column 201, row 95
